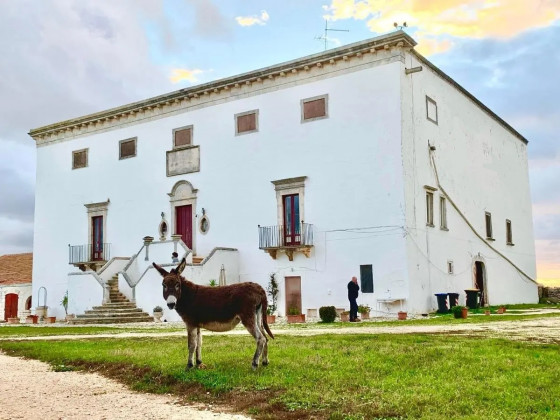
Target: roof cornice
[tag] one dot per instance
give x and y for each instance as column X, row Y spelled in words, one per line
column 111, row 117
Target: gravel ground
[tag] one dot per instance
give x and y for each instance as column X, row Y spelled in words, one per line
column 30, row 389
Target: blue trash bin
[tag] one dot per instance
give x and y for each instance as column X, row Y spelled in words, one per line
column 442, row 303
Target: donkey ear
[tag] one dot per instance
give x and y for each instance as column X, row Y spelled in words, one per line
column 161, row 270
column 181, row 266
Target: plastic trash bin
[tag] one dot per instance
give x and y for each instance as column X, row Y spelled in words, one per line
column 472, row 298
column 442, row 303
column 453, row 299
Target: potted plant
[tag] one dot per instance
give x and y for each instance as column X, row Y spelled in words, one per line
column 295, row 315
column 460, row 311
column 51, row 319
column 158, row 313
column 64, row 303
column 272, row 291
column 345, row 316
column 213, row 283
column 401, row 315
column 364, row 311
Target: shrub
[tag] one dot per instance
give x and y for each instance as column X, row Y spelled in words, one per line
column 272, row 291
column 364, row 309
column 457, row 311
column 327, row 313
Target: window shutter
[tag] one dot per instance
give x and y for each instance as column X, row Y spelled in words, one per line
column 314, row 109
column 246, row 123
column 79, row 159
column 183, row 137
column 128, row 148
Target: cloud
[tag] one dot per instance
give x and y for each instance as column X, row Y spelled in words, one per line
column 476, row 19
column 178, row 75
column 253, row 20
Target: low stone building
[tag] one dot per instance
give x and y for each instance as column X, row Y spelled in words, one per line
column 15, row 285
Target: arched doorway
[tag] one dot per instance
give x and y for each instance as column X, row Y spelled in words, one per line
column 480, row 281
column 10, row 306
column 183, row 211
column 28, row 304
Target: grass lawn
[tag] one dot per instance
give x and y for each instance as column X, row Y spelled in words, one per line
column 14, row 331
column 332, row 376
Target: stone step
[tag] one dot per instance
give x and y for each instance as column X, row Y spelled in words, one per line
column 113, row 315
column 111, row 320
column 114, row 310
column 197, row 259
column 109, row 306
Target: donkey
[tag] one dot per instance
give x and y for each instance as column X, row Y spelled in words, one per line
column 216, row 309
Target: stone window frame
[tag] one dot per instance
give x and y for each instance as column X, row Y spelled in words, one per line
column 488, row 225
column 241, row 114
column 182, row 194
column 93, row 210
column 135, row 139
column 443, row 213
column 450, row 267
column 430, row 205
column 74, row 152
column 186, row 127
column 314, row 98
column 289, row 186
column 509, row 233
column 431, row 101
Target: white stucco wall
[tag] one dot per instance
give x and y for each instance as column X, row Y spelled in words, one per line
column 483, row 168
column 84, row 292
column 353, row 188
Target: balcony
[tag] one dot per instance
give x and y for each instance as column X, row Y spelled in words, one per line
column 279, row 238
column 89, row 256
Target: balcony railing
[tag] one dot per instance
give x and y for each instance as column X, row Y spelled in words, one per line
column 271, row 237
column 81, row 254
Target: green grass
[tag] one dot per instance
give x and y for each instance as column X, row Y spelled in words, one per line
column 333, row 376
column 13, row 331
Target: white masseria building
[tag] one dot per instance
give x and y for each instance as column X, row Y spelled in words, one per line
column 364, row 160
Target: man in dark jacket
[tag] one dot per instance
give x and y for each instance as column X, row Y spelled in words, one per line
column 353, row 290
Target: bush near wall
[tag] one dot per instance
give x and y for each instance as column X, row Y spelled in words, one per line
column 327, row 313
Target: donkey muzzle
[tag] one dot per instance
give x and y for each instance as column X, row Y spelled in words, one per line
column 171, row 302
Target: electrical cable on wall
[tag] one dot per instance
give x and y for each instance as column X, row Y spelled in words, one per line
column 432, row 160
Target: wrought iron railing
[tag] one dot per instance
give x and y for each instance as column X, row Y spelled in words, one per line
column 278, row 236
column 88, row 253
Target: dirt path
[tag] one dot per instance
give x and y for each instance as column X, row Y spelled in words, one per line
column 29, row 389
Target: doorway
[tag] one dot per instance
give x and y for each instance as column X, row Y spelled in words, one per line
column 97, row 238
column 292, row 225
column 480, row 281
column 293, row 295
column 10, row 306
column 183, row 224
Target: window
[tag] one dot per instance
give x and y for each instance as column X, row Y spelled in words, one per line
column 127, row 148
column 246, row 122
column 366, row 278
column 509, row 234
column 488, row 217
column 450, row 267
column 314, row 108
column 430, row 208
column 182, row 136
column 431, row 110
column 80, row 159
column 442, row 213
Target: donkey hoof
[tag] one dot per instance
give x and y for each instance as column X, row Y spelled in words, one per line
column 265, row 362
column 254, row 366
column 189, row 366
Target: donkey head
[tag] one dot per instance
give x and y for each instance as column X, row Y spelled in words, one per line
column 171, row 283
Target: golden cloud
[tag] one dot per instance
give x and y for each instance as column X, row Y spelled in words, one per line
column 459, row 18
column 178, row 75
column 253, row 20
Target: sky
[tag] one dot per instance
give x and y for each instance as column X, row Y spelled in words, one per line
column 61, row 59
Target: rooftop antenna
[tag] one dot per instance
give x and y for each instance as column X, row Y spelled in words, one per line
column 327, row 29
column 400, row 27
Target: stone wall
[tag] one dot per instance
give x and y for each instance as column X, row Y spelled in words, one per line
column 549, row 294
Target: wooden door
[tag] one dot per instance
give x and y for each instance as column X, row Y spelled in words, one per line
column 293, row 294
column 183, row 224
column 292, row 225
column 10, row 306
column 97, row 238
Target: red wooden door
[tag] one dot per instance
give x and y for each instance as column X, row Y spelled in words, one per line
column 10, row 306
column 97, row 238
column 293, row 294
column 183, row 224
column 292, row 225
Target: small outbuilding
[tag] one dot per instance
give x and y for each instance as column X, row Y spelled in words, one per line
column 15, row 285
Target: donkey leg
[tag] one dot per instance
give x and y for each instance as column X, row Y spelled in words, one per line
column 263, row 333
column 199, row 363
column 192, row 340
column 250, row 322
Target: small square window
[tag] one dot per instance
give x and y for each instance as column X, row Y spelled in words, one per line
column 488, row 219
column 127, row 148
column 431, row 110
column 80, row 159
column 246, row 122
column 509, row 233
column 182, row 136
column 449, row 267
column 314, row 108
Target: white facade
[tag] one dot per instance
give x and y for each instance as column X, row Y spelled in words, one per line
column 362, row 173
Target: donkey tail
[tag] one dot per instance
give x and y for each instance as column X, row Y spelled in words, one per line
column 265, row 323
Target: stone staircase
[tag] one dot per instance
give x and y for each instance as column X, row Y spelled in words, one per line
column 118, row 310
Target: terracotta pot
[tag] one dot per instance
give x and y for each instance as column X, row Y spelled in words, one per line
column 464, row 312
column 364, row 315
column 14, row 320
column 51, row 319
column 293, row 319
column 345, row 317
column 157, row 316
column 500, row 310
column 32, row 319
column 401, row 315
column 270, row 319
column 487, row 312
